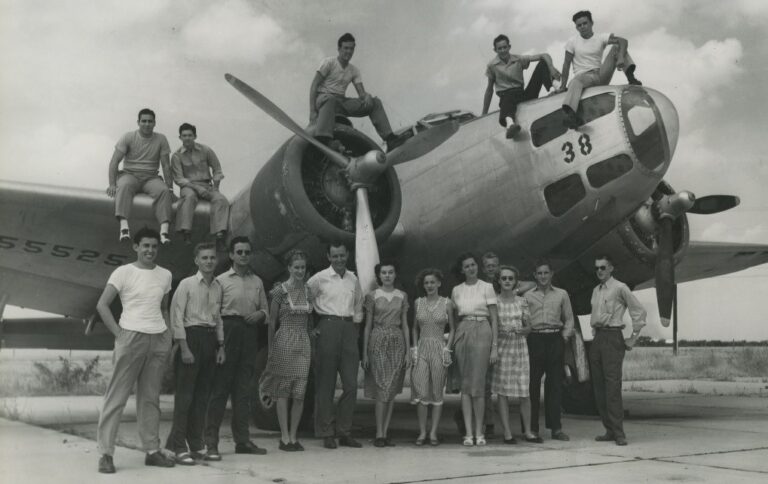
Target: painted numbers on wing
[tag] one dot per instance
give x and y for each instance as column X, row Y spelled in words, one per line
column 585, row 147
column 61, row 251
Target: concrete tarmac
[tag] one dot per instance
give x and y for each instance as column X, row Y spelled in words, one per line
column 672, row 437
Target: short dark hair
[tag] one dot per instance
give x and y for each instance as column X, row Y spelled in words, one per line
column 462, row 257
column 500, row 38
column 430, row 271
column 345, row 38
column 542, row 261
column 293, row 255
column 582, row 13
column 606, row 258
column 497, row 278
column 336, row 243
column 188, row 127
column 147, row 111
column 204, row 246
column 384, row 263
column 490, row 255
column 240, row 239
column 146, row 233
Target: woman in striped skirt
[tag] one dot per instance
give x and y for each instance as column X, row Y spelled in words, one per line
column 511, row 374
column 385, row 345
column 431, row 353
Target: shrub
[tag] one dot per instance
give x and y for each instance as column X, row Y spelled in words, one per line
column 67, row 376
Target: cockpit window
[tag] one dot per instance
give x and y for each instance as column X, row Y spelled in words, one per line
column 608, row 170
column 551, row 126
column 564, row 194
column 645, row 128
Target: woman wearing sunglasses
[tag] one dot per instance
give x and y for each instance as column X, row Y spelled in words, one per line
column 511, row 374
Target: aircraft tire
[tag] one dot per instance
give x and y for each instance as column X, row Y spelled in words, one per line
column 265, row 417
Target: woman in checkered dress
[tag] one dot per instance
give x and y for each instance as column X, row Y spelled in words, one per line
column 432, row 353
column 385, row 344
column 285, row 376
column 511, row 374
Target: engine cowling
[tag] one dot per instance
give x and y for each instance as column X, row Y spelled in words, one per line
column 299, row 197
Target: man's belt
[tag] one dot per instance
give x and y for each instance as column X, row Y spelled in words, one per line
column 609, row 328
column 546, row 331
column 331, row 316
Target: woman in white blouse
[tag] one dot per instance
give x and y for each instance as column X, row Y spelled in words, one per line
column 475, row 343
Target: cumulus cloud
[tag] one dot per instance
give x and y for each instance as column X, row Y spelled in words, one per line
column 233, row 31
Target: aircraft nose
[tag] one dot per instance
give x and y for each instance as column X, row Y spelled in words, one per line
column 669, row 117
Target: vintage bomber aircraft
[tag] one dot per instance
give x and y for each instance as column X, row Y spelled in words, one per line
column 457, row 185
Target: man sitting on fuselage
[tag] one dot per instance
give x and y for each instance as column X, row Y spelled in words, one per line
column 505, row 72
column 327, row 98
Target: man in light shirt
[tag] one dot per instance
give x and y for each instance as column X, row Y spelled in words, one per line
column 610, row 300
column 142, row 345
column 327, row 97
column 199, row 331
column 552, row 324
column 338, row 302
column 243, row 308
column 142, row 152
column 585, row 52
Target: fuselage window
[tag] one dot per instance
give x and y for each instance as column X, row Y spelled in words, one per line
column 564, row 194
column 645, row 128
column 551, row 126
column 608, row 170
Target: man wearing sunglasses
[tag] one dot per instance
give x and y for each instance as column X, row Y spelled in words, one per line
column 243, row 308
column 610, row 300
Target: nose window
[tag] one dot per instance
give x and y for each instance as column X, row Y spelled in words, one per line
column 645, row 128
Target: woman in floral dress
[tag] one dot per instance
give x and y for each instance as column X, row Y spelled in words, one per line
column 285, row 377
column 432, row 353
column 385, row 341
column 511, row 374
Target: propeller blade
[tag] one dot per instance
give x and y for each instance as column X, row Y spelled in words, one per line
column 278, row 115
column 422, row 143
column 665, row 271
column 714, row 204
column 366, row 249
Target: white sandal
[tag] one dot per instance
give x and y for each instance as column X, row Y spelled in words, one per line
column 468, row 441
column 480, row 440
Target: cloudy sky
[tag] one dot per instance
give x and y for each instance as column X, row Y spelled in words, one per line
column 73, row 75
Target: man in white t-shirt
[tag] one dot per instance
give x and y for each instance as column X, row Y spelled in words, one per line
column 585, row 52
column 327, row 97
column 142, row 344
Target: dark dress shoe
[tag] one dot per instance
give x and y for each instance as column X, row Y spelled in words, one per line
column 622, row 441
column 329, row 443
column 106, row 466
column 297, row 446
column 249, row 448
column 158, row 459
column 348, row 441
column 605, row 438
column 572, row 119
column 560, row 435
column 212, row 455
column 534, row 440
column 379, row 442
column 286, row 447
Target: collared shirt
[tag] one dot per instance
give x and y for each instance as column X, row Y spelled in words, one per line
column 336, row 78
column 609, row 302
column 550, row 309
column 197, row 303
column 335, row 295
column 142, row 154
column 195, row 165
column 243, row 295
column 507, row 75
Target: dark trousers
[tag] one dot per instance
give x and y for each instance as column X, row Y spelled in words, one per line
column 545, row 351
column 233, row 378
column 606, row 356
column 336, row 352
column 193, row 390
column 510, row 98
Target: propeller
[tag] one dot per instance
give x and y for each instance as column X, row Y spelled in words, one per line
column 361, row 171
column 665, row 211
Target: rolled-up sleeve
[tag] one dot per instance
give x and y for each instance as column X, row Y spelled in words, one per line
column 636, row 311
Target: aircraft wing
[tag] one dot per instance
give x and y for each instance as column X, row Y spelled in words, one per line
column 703, row 260
column 58, row 246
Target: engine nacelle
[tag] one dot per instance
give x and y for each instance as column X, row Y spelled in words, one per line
column 299, row 198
